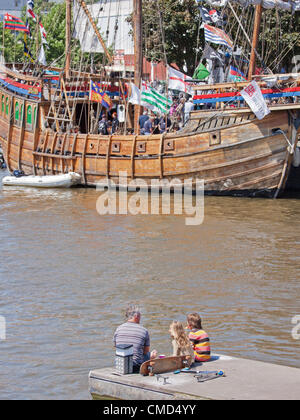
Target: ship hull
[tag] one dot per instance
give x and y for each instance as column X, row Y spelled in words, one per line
column 232, row 151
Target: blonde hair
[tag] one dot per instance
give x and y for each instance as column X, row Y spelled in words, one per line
column 178, row 333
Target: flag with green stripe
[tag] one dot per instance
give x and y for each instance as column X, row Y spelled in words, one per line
column 152, row 99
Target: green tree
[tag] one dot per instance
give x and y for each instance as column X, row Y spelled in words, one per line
column 180, row 22
column 279, row 38
column 52, row 17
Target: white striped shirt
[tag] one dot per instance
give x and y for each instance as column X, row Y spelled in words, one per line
column 133, row 334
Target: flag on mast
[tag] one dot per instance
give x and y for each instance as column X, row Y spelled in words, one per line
column 98, row 95
column 14, row 23
column 27, row 53
column 43, row 35
column 29, row 10
column 236, row 75
column 179, row 81
column 153, row 100
column 217, row 36
column 201, row 72
column 42, row 56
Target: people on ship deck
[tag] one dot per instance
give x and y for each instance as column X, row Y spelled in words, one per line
column 188, row 108
column 143, row 118
column 103, row 126
column 114, row 123
column 149, row 126
column 199, row 338
column 132, row 333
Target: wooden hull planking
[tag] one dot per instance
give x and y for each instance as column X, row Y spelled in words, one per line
column 233, row 152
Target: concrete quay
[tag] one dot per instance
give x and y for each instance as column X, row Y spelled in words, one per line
column 244, row 380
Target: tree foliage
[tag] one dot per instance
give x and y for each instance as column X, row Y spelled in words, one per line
column 52, row 17
column 171, row 28
column 180, row 22
column 279, row 38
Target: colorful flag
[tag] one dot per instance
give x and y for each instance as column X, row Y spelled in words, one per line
column 27, row 53
column 217, row 36
column 30, row 13
column 179, row 81
column 235, row 75
column 98, row 95
column 152, row 99
column 29, row 10
column 201, row 72
column 14, row 23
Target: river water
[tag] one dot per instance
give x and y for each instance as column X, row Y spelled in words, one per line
column 67, row 275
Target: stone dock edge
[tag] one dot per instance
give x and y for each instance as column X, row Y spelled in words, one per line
column 244, row 380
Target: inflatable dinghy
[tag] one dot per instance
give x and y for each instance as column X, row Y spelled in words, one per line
column 47, row 181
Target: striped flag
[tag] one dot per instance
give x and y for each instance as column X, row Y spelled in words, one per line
column 152, row 99
column 217, row 36
column 235, row 75
column 30, row 6
column 14, row 23
column 179, row 81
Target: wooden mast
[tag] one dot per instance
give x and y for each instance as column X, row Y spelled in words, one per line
column 138, row 55
column 68, row 38
column 257, row 22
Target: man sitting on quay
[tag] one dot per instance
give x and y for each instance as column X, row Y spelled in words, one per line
column 132, row 333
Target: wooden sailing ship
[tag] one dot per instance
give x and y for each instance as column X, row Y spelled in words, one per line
column 230, row 149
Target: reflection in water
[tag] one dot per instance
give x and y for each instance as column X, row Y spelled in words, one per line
column 66, row 275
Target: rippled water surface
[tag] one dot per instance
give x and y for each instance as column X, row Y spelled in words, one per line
column 67, row 274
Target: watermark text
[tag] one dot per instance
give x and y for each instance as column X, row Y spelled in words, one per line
column 155, row 197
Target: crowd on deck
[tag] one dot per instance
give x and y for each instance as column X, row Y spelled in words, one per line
column 151, row 123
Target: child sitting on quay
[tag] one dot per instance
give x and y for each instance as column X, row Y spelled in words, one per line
column 199, row 338
column 181, row 343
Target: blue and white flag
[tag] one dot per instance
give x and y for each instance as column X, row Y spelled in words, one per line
column 217, row 36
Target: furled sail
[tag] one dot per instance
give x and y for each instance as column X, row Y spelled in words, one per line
column 289, row 5
column 111, row 20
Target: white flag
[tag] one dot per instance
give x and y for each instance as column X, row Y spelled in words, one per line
column 178, row 81
column 42, row 57
column 43, row 35
column 254, row 98
column 135, row 96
